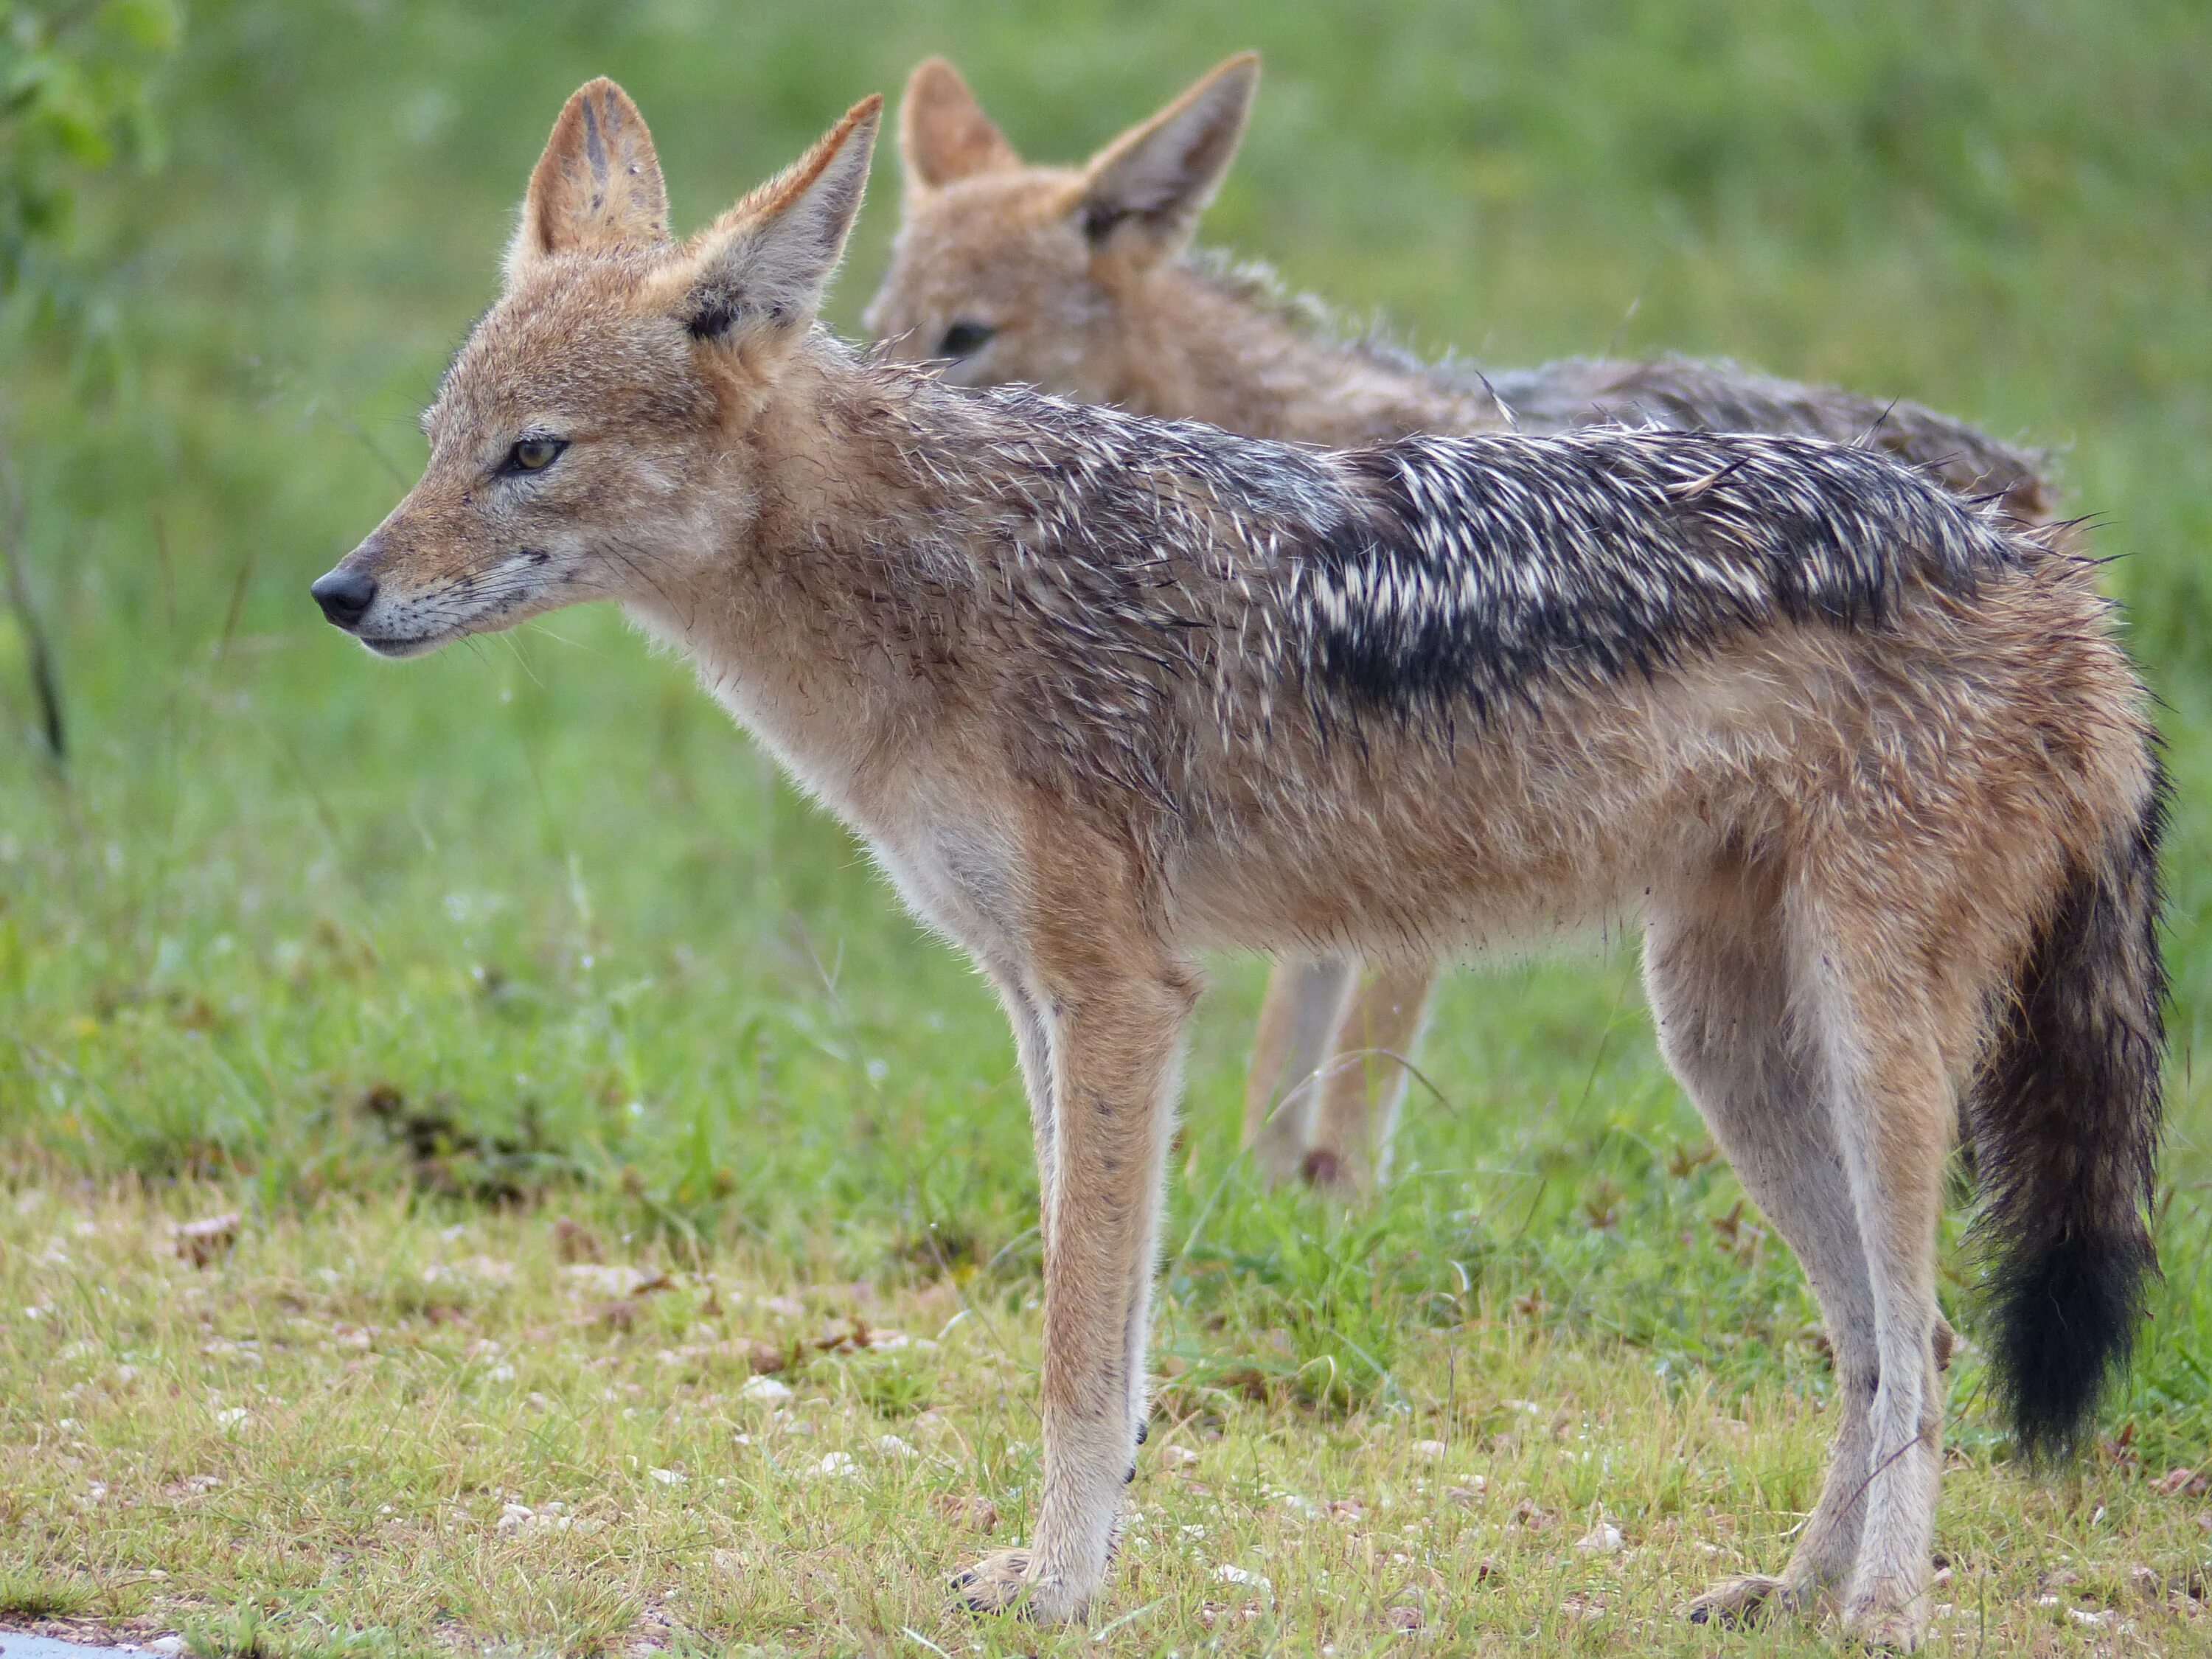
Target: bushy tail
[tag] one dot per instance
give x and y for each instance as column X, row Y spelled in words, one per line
column 2065, row 1122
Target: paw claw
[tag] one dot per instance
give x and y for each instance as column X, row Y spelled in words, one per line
column 1737, row 1603
column 998, row 1584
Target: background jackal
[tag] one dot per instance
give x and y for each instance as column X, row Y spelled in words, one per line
column 1082, row 279
column 1103, row 691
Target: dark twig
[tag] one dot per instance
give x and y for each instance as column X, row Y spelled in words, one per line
column 45, row 679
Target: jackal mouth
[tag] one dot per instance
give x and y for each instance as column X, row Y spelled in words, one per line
column 396, row 645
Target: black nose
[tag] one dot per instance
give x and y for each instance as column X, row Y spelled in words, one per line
column 345, row 596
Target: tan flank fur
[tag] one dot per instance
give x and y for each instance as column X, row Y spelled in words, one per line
column 1001, row 273
column 1103, row 693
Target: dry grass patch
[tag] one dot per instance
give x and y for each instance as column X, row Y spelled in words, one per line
column 367, row 1431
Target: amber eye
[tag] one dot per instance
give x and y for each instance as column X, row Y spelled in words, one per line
column 534, row 455
column 965, row 339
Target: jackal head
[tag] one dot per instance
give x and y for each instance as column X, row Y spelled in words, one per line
column 583, row 445
column 1009, row 272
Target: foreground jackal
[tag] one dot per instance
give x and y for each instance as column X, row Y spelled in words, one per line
column 1103, row 692
column 1081, row 281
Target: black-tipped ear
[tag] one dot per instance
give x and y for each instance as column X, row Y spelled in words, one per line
column 944, row 134
column 598, row 185
column 1147, row 188
column 767, row 260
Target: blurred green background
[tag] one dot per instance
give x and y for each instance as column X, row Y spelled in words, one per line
column 529, row 916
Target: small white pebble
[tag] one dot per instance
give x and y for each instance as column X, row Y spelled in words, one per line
column 835, row 1466
column 1603, row 1539
column 891, row 1446
column 501, row 1373
column 764, row 1387
column 669, row 1477
column 1430, row 1449
column 1178, row 1458
column 232, row 1418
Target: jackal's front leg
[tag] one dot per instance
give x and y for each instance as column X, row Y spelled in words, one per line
column 1116, row 1034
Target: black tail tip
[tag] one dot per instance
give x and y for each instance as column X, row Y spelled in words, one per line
column 2064, row 1323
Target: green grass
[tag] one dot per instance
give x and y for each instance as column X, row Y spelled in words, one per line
column 525, row 931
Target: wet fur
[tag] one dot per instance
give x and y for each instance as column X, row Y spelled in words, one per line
column 1132, row 314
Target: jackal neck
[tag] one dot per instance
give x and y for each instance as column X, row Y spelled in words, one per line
column 1209, row 350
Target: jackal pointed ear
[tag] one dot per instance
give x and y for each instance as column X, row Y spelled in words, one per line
column 1145, row 190
column 944, row 134
column 596, row 187
column 760, row 267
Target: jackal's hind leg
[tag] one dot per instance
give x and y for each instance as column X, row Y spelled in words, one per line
column 1718, row 979
column 1282, row 1091
column 1364, row 1079
column 1895, row 1107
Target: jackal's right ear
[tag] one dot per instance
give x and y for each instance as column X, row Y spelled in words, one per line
column 758, row 271
column 597, row 186
column 944, row 134
column 1145, row 191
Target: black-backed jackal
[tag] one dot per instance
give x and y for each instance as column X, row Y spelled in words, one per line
column 1103, row 692
column 1081, row 281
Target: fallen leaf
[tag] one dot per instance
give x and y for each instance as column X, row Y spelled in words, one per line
column 201, row 1241
column 967, row 1510
column 573, row 1241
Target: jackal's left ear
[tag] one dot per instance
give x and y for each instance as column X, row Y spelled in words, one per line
column 596, row 187
column 760, row 269
column 1145, row 191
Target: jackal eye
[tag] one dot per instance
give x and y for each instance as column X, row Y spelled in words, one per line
column 534, row 454
column 965, row 339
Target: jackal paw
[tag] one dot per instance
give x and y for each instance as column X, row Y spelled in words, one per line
column 1879, row 1623
column 1736, row 1603
column 1008, row 1581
